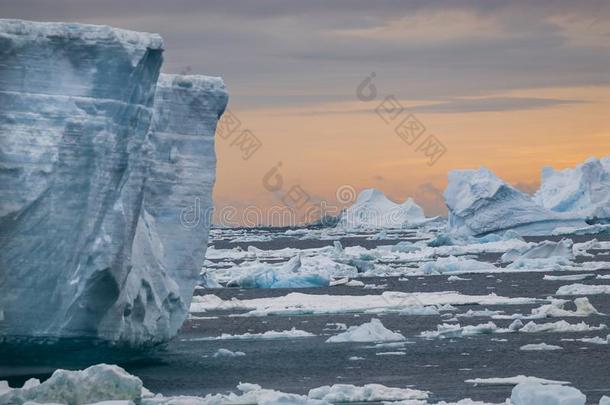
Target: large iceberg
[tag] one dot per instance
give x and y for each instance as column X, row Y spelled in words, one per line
column 584, row 190
column 479, row 202
column 372, row 209
column 91, row 241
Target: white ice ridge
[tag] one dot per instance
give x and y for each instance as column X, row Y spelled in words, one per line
column 583, row 289
column 106, row 384
column 388, row 301
column 480, row 202
column 520, row 379
column 372, row 209
column 584, row 190
column 372, row 331
column 271, row 334
column 90, row 238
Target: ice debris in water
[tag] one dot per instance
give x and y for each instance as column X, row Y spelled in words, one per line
column 546, row 394
column 372, row 331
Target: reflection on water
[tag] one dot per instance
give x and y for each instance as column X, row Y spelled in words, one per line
column 24, row 358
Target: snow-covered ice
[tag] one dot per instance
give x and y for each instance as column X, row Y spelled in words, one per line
column 584, row 190
column 342, row 393
column 100, row 158
column 228, row 353
column 293, row 333
column 520, row 379
column 372, row 209
column 299, row 303
column 94, row 384
column 546, row 394
column 448, row 331
column 583, row 289
column 540, row 347
column 372, row 331
column 559, row 327
column 570, row 277
column 480, row 202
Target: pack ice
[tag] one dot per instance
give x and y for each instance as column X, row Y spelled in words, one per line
column 99, row 161
column 372, row 209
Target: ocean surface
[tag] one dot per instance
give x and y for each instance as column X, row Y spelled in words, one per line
column 187, row 366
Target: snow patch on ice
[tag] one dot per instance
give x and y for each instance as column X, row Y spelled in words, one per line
column 372, row 331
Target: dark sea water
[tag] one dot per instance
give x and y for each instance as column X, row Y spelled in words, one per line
column 187, row 367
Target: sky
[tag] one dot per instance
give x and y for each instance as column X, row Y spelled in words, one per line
column 510, row 85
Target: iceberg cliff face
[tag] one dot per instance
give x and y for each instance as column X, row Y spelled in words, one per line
column 373, row 209
column 584, row 190
column 172, row 231
column 86, row 187
column 480, row 202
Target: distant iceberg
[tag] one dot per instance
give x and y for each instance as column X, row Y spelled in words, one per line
column 374, row 210
column 98, row 160
column 479, row 202
column 583, row 190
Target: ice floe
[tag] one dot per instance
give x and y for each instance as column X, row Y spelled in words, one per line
column 583, row 289
column 446, row 330
column 546, row 394
column 520, row 379
column 559, row 327
column 228, row 353
column 95, row 384
column 390, row 301
column 540, row 347
column 271, row 334
column 569, row 277
column 372, row 331
column 106, row 384
column 342, row 393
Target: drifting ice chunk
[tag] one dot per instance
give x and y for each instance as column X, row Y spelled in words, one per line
column 373, row 331
column 543, row 250
column 559, row 327
column 540, row 346
column 583, row 289
column 373, row 209
column 342, row 393
column 90, row 213
column 456, row 265
column 480, row 202
column 447, row 330
column 540, row 394
column 520, row 379
column 97, row 383
column 584, row 190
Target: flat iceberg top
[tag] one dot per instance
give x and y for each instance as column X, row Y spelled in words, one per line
column 78, row 60
column 38, row 31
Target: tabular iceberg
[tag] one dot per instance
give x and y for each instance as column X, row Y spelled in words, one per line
column 373, row 209
column 90, row 244
column 480, row 202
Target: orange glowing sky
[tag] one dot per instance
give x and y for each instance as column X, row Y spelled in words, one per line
column 513, row 85
column 348, row 146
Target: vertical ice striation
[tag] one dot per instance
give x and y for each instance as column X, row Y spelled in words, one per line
column 583, row 190
column 479, row 202
column 172, row 231
column 90, row 237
